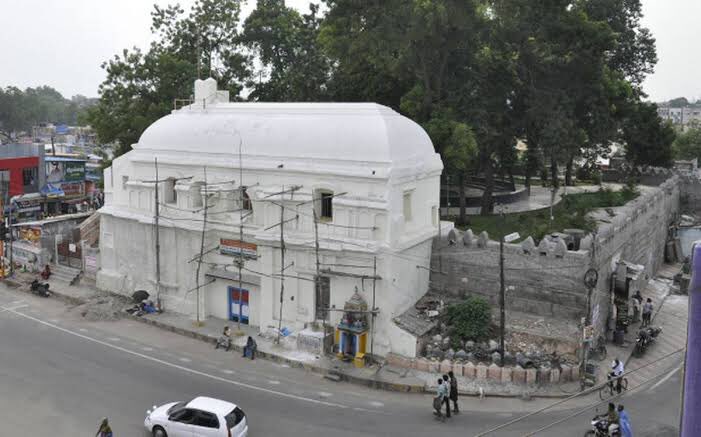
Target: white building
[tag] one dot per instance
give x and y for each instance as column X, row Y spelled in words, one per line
column 373, row 173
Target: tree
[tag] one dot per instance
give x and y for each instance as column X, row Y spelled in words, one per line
column 647, row 137
column 20, row 110
column 142, row 86
column 285, row 43
column 688, row 145
column 459, row 153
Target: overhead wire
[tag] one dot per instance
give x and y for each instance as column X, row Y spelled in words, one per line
column 569, row 398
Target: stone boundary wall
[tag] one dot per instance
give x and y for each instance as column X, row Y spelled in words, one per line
column 483, row 372
column 547, row 279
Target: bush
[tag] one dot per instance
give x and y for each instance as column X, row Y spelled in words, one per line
column 470, row 319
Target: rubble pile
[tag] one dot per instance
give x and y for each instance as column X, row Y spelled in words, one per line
column 103, row 308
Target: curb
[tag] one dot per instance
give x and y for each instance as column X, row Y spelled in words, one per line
column 335, row 375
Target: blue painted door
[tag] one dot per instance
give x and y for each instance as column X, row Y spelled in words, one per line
column 238, row 305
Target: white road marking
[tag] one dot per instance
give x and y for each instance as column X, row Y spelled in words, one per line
column 192, row 371
column 325, row 394
column 114, row 339
column 147, row 349
column 663, row 380
column 227, row 371
column 12, row 309
column 184, row 360
column 82, row 330
column 53, row 320
column 377, row 404
column 273, row 382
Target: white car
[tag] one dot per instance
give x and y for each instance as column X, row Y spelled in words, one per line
column 201, row 417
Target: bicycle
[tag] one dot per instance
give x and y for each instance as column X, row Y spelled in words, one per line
column 609, row 389
column 598, row 352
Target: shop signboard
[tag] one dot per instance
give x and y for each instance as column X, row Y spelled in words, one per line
column 72, row 189
column 74, row 171
column 238, row 247
column 31, row 235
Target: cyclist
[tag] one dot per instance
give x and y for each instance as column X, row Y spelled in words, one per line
column 617, row 372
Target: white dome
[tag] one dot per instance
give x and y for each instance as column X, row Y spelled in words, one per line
column 361, row 132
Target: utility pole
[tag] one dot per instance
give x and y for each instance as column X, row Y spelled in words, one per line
column 282, row 265
column 502, row 298
column 374, row 282
column 158, row 242
column 317, row 279
column 199, row 261
column 240, row 263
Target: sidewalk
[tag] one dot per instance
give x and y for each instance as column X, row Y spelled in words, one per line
column 383, row 377
column 670, row 314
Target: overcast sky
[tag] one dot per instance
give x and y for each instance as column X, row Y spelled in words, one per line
column 62, row 43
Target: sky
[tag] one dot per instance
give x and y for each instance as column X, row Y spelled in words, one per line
column 62, row 43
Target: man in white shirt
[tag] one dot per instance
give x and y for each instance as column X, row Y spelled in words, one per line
column 618, row 371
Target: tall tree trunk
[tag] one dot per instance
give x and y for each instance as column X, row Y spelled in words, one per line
column 487, row 199
column 512, row 181
column 568, row 172
column 461, row 192
column 553, row 173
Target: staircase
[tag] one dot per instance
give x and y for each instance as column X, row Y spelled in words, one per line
column 69, row 275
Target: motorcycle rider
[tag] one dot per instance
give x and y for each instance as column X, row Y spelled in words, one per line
column 612, row 417
column 617, row 372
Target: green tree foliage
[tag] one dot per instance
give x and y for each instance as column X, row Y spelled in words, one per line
column 20, row 110
column 647, row 137
column 142, row 86
column 284, row 42
column 687, row 145
column 470, row 319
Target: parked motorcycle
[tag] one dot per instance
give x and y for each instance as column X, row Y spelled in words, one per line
column 600, row 428
column 646, row 336
column 40, row 289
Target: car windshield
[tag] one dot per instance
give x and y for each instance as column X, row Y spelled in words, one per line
column 176, row 407
column 234, row 418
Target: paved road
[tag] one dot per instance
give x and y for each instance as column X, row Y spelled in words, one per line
column 60, row 374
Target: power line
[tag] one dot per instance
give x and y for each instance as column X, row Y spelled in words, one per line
column 617, row 396
column 562, row 401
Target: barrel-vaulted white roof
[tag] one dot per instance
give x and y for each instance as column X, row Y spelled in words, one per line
column 361, row 132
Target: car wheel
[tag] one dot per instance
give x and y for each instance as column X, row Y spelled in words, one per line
column 159, row 432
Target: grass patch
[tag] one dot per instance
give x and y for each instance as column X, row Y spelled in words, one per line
column 571, row 212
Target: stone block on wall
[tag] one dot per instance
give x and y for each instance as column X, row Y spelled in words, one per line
column 457, row 369
column 494, row 372
column 434, row 366
column 469, row 370
column 518, row 375
column 554, row 376
column 566, row 373
column 531, row 375
column 506, row 374
column 423, row 365
column 481, row 372
column 543, row 375
column 446, row 366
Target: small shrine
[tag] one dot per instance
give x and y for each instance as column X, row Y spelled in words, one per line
column 352, row 332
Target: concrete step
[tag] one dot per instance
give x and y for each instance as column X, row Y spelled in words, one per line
column 64, row 273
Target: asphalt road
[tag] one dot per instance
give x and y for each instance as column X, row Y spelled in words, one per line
column 60, row 374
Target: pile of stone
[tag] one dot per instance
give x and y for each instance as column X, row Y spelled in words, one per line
column 103, row 308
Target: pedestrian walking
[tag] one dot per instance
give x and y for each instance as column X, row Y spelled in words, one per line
column 454, row 392
column 441, row 394
column 624, row 422
column 647, row 312
column 446, row 399
column 105, row 430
